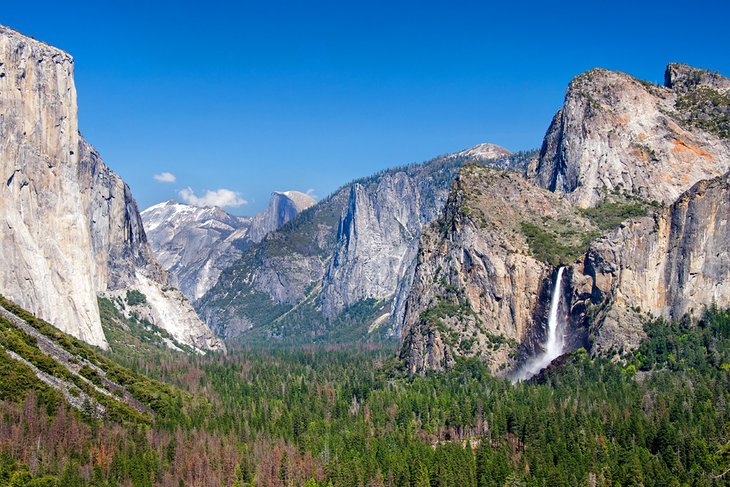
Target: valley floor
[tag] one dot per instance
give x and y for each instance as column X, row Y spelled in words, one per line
column 348, row 416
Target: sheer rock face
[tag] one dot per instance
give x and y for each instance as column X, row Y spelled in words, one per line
column 71, row 226
column 377, row 239
column 672, row 263
column 118, row 240
column 195, row 244
column 378, row 234
column 476, row 290
column 124, row 258
column 616, row 132
column 45, row 240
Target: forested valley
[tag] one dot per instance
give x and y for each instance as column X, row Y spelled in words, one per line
column 658, row 416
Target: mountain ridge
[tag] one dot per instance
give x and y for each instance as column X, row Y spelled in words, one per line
column 282, row 270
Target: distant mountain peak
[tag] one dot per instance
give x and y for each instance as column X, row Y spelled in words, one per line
column 194, row 243
column 302, row 201
column 484, row 152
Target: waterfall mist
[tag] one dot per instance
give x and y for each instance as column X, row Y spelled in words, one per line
column 555, row 339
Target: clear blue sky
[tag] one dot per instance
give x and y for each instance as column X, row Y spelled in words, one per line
column 277, row 95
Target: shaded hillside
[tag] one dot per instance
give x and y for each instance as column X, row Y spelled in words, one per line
column 57, row 367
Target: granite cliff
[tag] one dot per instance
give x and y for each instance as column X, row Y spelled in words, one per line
column 48, row 264
column 71, row 228
column 629, row 194
column 672, row 263
column 616, row 132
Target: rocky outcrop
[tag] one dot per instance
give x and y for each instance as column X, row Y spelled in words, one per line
column 616, row 143
column 672, row 263
column 72, row 226
column 683, row 79
column 195, row 244
column 480, row 287
column 703, row 98
column 45, row 241
column 617, row 133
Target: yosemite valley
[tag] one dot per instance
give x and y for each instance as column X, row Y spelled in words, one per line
column 555, row 315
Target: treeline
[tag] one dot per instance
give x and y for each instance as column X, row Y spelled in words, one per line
column 659, row 417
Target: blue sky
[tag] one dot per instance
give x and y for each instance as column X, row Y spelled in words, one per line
column 273, row 95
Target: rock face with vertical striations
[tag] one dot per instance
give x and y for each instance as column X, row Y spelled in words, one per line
column 118, row 239
column 45, row 241
column 71, row 227
column 671, row 263
column 615, row 132
column 195, row 244
column 377, row 238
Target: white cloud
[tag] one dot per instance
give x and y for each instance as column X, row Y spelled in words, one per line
column 165, row 177
column 220, row 197
column 311, row 192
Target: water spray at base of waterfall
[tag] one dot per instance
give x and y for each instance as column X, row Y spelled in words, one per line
column 555, row 340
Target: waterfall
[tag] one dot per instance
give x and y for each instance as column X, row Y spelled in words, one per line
column 555, row 339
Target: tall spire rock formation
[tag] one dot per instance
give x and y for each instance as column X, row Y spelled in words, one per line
column 71, row 228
